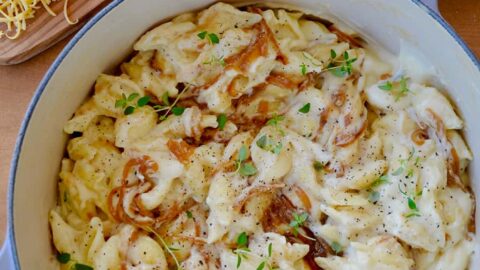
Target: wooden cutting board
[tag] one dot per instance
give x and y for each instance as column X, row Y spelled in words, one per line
column 44, row 30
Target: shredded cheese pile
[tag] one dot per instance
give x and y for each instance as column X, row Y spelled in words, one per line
column 15, row 13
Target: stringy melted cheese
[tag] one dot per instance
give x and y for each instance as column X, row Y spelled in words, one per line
column 377, row 171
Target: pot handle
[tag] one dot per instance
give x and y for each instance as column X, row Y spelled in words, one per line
column 432, row 4
column 6, row 260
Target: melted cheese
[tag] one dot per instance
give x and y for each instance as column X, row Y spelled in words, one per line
column 272, row 141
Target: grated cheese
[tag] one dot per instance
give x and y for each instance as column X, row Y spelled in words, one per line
column 15, row 13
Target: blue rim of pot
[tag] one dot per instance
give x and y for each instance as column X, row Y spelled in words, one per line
column 65, row 52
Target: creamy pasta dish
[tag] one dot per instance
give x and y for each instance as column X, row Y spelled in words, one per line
column 261, row 138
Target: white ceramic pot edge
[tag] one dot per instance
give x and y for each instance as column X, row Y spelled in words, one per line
column 432, row 4
column 6, row 259
column 8, row 254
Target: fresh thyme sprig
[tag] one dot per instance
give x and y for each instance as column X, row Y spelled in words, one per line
column 216, row 60
column 275, row 121
column 318, row 166
column 127, row 104
column 412, row 205
column 268, row 145
column 222, row 120
column 298, row 221
column 374, row 195
column 242, row 249
column 403, row 165
column 400, row 91
column 336, row 247
column 303, row 66
column 244, row 168
column 166, row 247
column 266, row 262
column 305, row 108
column 65, row 258
column 167, row 106
column 212, row 37
column 345, row 67
column 303, row 69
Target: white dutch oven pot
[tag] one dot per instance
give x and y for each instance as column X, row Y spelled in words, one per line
column 108, row 38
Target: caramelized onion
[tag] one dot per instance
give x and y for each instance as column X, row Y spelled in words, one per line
column 139, row 216
column 277, row 218
column 262, row 107
column 349, row 135
column 339, row 98
column 254, row 191
column 281, row 80
column 317, row 248
column 324, row 116
column 180, row 149
column 419, row 136
column 303, row 197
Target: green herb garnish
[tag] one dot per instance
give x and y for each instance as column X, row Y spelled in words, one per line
column 373, row 196
column 79, row 266
column 264, row 143
column 266, row 261
column 165, row 99
column 412, row 205
column 305, row 108
column 403, row 85
column 189, row 214
column 245, row 169
column 345, row 67
column 216, row 60
column 242, row 249
column 387, row 86
column 221, row 120
column 297, row 222
column 401, row 88
column 303, row 69
column 202, row 34
column 242, row 239
column 178, row 110
column 403, row 165
column 143, row 101
column 63, row 258
column 318, row 166
column 129, row 110
column 261, row 265
column 173, row 248
column 333, row 54
column 274, row 121
column 380, row 181
column 212, row 37
column 126, row 103
column 170, row 107
column 400, row 169
column 166, row 247
column 336, row 247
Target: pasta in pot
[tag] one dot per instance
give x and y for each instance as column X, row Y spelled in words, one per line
column 262, row 139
